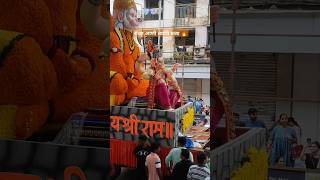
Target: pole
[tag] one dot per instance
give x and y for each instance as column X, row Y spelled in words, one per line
column 182, row 80
column 233, row 42
column 144, row 49
column 160, row 13
column 292, row 83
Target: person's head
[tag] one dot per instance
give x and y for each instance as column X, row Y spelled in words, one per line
column 309, row 140
column 252, row 112
column 185, row 154
column 236, row 116
column 283, row 119
column 155, row 147
column 206, row 120
column 143, row 140
column 182, row 140
column 202, row 158
column 292, row 122
column 315, row 146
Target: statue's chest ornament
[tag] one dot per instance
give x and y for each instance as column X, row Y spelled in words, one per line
column 130, row 41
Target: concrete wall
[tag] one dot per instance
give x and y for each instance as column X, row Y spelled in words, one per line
column 197, row 88
column 288, row 32
column 306, row 91
column 307, row 85
column 206, row 91
column 201, row 71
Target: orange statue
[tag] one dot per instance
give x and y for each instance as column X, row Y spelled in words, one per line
column 125, row 60
column 49, row 65
column 27, row 76
column 125, row 17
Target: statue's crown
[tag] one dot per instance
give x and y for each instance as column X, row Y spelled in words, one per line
column 124, row 4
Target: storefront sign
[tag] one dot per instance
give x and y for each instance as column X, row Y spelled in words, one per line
column 157, row 33
column 190, row 22
column 132, row 126
column 286, row 174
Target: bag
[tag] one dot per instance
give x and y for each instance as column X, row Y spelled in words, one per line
column 296, row 151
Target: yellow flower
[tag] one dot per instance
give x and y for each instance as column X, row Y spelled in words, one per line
column 187, row 120
column 256, row 168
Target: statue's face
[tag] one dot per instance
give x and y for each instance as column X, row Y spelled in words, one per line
column 130, row 20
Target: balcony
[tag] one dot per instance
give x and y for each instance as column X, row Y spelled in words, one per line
column 186, row 16
column 192, row 55
column 186, row 11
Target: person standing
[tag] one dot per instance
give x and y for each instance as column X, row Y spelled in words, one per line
column 294, row 124
column 189, row 99
column 253, row 122
column 282, row 139
column 141, row 152
column 174, row 154
column 153, row 163
column 180, row 170
column 197, row 105
column 296, row 147
column 199, row 171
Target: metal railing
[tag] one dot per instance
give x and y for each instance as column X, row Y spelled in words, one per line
column 227, row 158
column 186, row 11
column 184, row 57
column 185, row 16
column 191, row 55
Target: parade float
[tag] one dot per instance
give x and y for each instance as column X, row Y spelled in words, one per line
column 145, row 100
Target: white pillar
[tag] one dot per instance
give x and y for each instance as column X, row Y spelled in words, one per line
column 168, row 19
column 201, row 37
column 206, row 91
column 202, row 11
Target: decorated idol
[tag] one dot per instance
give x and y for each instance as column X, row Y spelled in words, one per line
column 125, row 59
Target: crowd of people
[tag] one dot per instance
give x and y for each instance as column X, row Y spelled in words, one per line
column 199, row 106
column 179, row 162
column 284, row 141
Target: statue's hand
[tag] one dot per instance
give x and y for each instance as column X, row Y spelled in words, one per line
column 158, row 75
column 143, row 57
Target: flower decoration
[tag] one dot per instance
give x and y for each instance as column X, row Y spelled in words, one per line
column 256, row 168
column 187, row 120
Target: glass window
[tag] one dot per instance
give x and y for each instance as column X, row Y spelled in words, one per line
column 189, row 40
column 151, row 10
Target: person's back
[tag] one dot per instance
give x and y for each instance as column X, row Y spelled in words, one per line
column 180, row 170
column 153, row 163
column 199, row 171
column 141, row 152
column 174, row 154
column 255, row 124
column 197, row 105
